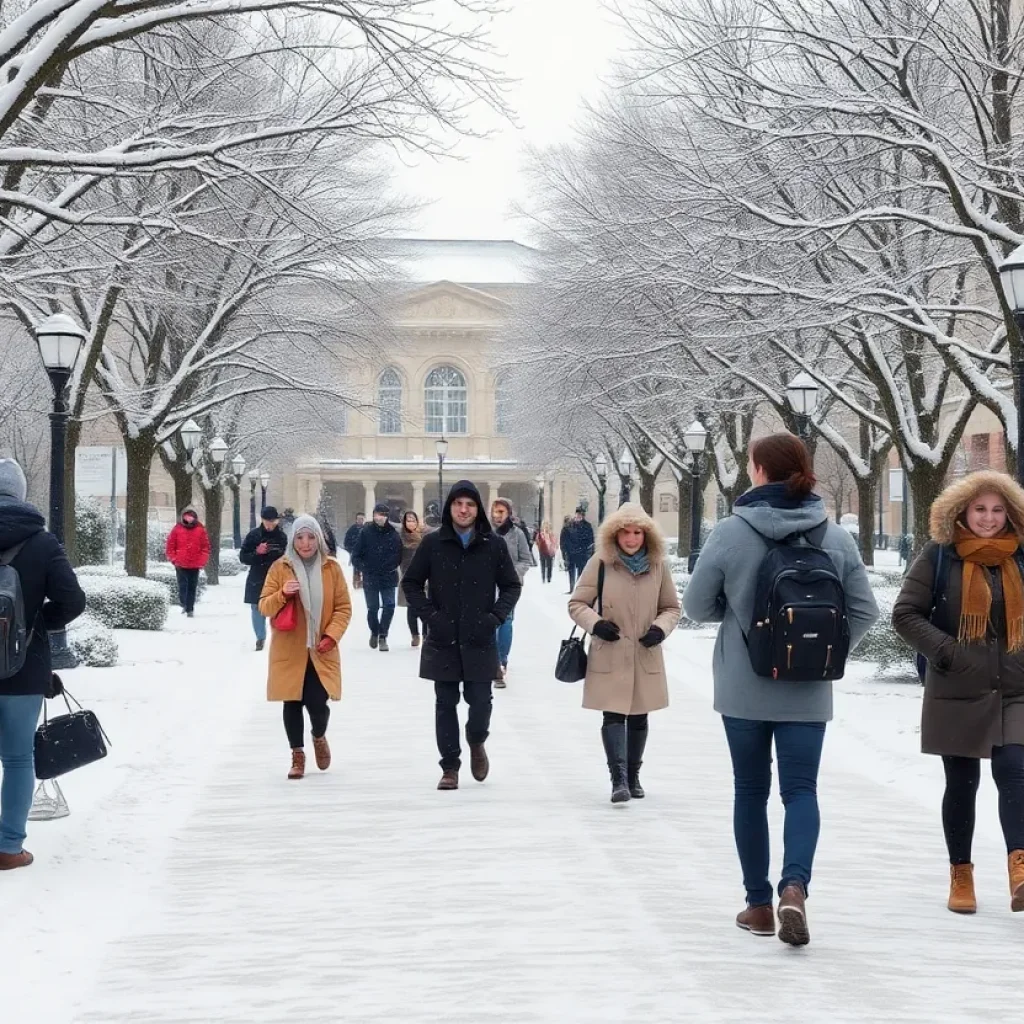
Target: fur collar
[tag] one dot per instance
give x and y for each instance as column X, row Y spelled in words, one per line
column 949, row 506
column 630, row 514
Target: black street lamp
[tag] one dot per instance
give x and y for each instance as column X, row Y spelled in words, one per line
column 601, row 469
column 237, row 472
column 1011, row 273
column 802, row 392
column 442, row 450
column 254, row 476
column 626, row 473
column 695, row 439
column 264, row 480
column 60, row 341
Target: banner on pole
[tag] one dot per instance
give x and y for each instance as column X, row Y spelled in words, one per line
column 95, row 472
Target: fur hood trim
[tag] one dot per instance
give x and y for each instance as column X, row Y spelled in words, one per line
column 630, row 514
column 950, row 505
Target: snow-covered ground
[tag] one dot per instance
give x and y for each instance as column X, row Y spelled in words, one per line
column 194, row 883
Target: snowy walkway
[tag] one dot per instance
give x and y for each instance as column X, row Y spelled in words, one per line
column 194, row 883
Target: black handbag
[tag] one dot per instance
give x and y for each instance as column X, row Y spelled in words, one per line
column 571, row 665
column 69, row 741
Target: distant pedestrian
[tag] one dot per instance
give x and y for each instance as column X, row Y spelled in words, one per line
column 51, row 598
column 563, row 546
column 522, row 558
column 329, row 538
column 780, row 511
column 463, row 585
column 377, row 556
column 412, row 534
column 962, row 607
column 547, row 548
column 261, row 548
column 637, row 610
column 304, row 663
column 188, row 550
column 580, row 545
column 349, row 544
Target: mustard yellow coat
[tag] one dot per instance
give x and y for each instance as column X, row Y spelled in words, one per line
column 288, row 651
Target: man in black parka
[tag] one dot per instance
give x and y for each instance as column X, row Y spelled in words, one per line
column 261, row 548
column 473, row 587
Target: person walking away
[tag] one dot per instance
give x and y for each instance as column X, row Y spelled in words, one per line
column 411, row 533
column 32, row 562
column 349, row 544
column 188, row 550
column 513, row 535
column 473, row 588
column 260, row 549
column 547, row 548
column 581, row 546
column 304, row 663
column 563, row 545
column 626, row 598
column 962, row 608
column 377, row 556
column 780, row 512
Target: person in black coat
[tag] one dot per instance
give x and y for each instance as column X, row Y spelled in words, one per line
column 261, row 548
column 377, row 556
column 580, row 544
column 349, row 544
column 51, row 598
column 464, row 564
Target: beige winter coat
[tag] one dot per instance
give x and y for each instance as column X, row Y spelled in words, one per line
column 625, row 676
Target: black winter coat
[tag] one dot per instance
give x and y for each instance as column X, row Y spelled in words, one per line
column 259, row 565
column 378, row 554
column 351, row 536
column 580, row 542
column 472, row 591
column 49, row 587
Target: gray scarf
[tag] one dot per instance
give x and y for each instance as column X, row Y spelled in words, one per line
column 309, row 573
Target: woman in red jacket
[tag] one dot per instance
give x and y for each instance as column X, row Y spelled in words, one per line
column 188, row 550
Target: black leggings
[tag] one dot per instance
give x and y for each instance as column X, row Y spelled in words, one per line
column 547, row 564
column 963, row 776
column 314, row 699
column 414, row 622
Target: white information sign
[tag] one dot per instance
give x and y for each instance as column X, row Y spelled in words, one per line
column 896, row 485
column 94, row 472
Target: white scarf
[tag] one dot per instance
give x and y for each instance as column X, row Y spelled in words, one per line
column 310, row 576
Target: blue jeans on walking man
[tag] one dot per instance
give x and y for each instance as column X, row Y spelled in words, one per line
column 503, row 636
column 380, row 605
column 259, row 623
column 798, row 751
column 19, row 715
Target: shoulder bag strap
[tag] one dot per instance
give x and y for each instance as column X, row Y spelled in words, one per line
column 600, row 590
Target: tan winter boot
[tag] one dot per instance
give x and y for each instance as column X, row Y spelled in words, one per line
column 298, row 769
column 961, row 889
column 322, row 752
column 1016, row 867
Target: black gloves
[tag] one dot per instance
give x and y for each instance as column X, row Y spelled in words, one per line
column 605, row 630
column 653, row 637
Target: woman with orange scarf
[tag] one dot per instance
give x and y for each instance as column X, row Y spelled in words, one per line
column 962, row 608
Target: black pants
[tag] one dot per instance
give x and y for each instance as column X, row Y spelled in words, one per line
column 547, row 564
column 446, row 719
column 414, row 622
column 314, row 699
column 963, row 776
column 188, row 585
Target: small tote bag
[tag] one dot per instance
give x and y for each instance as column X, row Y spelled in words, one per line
column 69, row 741
column 571, row 665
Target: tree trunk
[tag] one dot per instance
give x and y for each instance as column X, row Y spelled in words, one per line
column 647, row 482
column 924, row 484
column 867, row 495
column 213, row 503
column 183, row 493
column 684, row 524
column 139, row 452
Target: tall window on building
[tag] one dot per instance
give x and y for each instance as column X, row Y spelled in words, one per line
column 389, row 401
column 445, row 401
column 502, row 408
column 978, row 457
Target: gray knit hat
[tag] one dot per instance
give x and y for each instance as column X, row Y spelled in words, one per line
column 12, row 480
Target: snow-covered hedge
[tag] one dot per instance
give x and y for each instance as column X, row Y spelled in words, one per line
column 229, row 563
column 156, row 542
column 107, row 571
column 165, row 575
column 92, row 643
column 125, row 602
column 92, row 532
column 882, row 644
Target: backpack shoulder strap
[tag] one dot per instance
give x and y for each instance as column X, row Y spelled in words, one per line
column 12, row 553
column 940, row 566
column 816, row 536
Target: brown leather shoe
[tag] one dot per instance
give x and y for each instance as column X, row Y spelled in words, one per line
column 793, row 916
column 322, row 752
column 449, row 780
column 10, row 861
column 298, row 769
column 416, row 640
column 961, row 889
column 479, row 765
column 757, row 920
column 1016, row 867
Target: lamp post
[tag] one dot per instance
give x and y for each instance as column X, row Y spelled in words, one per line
column 237, row 472
column 254, row 475
column 264, row 480
column 442, row 450
column 60, row 341
column 802, row 392
column 541, row 482
column 695, row 439
column 191, row 433
column 626, row 473
column 601, row 469
column 1011, row 273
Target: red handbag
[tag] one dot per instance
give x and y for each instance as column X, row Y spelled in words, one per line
column 287, row 618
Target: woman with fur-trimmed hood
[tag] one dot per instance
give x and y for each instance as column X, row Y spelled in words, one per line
column 962, row 608
column 638, row 607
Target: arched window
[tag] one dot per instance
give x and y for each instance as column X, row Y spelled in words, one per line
column 502, row 405
column 389, row 401
column 445, row 401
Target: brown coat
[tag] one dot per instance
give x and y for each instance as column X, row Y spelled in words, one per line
column 625, row 676
column 288, row 651
column 410, row 542
column 973, row 693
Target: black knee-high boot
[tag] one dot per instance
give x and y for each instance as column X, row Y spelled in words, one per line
column 614, row 739
column 636, row 741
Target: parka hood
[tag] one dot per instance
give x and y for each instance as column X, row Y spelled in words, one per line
column 630, row 514
column 185, row 511
column 951, row 504
column 776, row 523
column 466, row 489
column 18, row 521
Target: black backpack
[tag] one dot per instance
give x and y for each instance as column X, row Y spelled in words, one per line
column 799, row 631
column 13, row 628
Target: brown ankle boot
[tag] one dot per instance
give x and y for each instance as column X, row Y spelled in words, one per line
column 1016, row 866
column 449, row 779
column 298, row 769
column 10, row 861
column 757, row 920
column 793, row 916
column 961, row 889
column 322, row 752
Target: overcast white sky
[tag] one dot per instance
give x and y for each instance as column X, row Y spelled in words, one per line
column 558, row 50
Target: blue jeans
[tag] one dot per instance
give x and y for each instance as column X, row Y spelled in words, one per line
column 18, row 718
column 259, row 624
column 503, row 636
column 798, row 749
column 380, row 606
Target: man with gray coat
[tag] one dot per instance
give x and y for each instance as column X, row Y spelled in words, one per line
column 757, row 710
column 522, row 558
